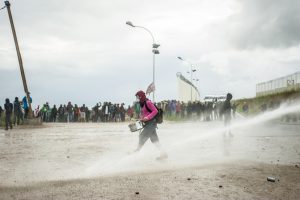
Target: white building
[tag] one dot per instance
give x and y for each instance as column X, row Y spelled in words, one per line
column 282, row 84
column 187, row 91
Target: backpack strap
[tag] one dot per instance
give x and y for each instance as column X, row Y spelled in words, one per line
column 147, row 107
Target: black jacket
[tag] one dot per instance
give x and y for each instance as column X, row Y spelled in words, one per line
column 8, row 108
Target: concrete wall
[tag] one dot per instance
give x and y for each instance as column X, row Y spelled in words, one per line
column 184, row 89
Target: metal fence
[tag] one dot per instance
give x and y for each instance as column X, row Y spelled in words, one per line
column 282, row 84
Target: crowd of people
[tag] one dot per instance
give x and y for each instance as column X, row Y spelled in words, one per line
column 107, row 111
column 205, row 111
column 18, row 110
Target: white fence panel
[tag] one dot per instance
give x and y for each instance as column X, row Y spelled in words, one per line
column 286, row 83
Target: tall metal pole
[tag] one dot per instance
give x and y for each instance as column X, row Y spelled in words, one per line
column 153, row 70
column 154, row 76
column 191, row 83
column 154, row 51
column 7, row 4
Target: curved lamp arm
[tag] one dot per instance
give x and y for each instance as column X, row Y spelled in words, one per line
column 129, row 23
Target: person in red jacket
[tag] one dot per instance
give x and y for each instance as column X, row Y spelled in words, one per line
column 130, row 112
column 147, row 116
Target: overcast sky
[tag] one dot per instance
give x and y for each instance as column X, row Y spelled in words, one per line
column 82, row 51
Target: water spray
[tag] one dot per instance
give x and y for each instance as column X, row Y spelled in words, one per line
column 129, row 163
column 267, row 116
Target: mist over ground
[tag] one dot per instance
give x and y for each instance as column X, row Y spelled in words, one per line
column 203, row 158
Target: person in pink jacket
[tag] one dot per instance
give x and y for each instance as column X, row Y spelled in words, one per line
column 148, row 113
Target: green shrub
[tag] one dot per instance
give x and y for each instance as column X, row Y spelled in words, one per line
column 2, row 120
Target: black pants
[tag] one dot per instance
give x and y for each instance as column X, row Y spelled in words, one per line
column 8, row 121
column 17, row 117
column 149, row 131
column 26, row 110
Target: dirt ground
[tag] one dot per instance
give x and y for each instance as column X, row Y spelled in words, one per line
column 91, row 161
column 242, row 180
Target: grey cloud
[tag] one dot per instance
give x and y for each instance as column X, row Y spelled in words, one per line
column 84, row 52
column 265, row 23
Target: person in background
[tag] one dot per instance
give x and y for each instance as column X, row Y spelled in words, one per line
column 137, row 109
column 70, row 112
column 37, row 112
column 25, row 105
column 83, row 114
column 226, row 111
column 17, row 111
column 44, row 113
column 53, row 114
column 87, row 114
column 245, row 108
column 122, row 112
column 60, row 113
column 8, row 112
column 1, row 110
column 234, row 106
column 130, row 112
column 147, row 116
column 76, row 113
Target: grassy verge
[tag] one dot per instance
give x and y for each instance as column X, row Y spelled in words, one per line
column 275, row 99
column 2, row 120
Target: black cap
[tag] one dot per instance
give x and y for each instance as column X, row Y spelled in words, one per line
column 229, row 96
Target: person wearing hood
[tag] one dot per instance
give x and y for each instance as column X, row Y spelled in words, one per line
column 147, row 116
column 26, row 105
column 8, row 111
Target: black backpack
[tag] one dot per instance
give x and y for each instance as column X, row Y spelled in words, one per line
column 159, row 116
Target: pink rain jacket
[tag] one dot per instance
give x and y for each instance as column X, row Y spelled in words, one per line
column 146, row 113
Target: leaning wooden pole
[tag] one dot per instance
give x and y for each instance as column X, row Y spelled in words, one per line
column 7, row 4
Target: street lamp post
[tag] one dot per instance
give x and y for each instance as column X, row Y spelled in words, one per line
column 7, row 5
column 197, row 82
column 191, row 73
column 154, row 51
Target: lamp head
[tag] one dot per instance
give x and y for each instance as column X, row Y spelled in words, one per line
column 129, row 23
column 155, row 46
column 155, row 51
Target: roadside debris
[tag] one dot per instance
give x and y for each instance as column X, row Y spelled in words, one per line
column 271, row 179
